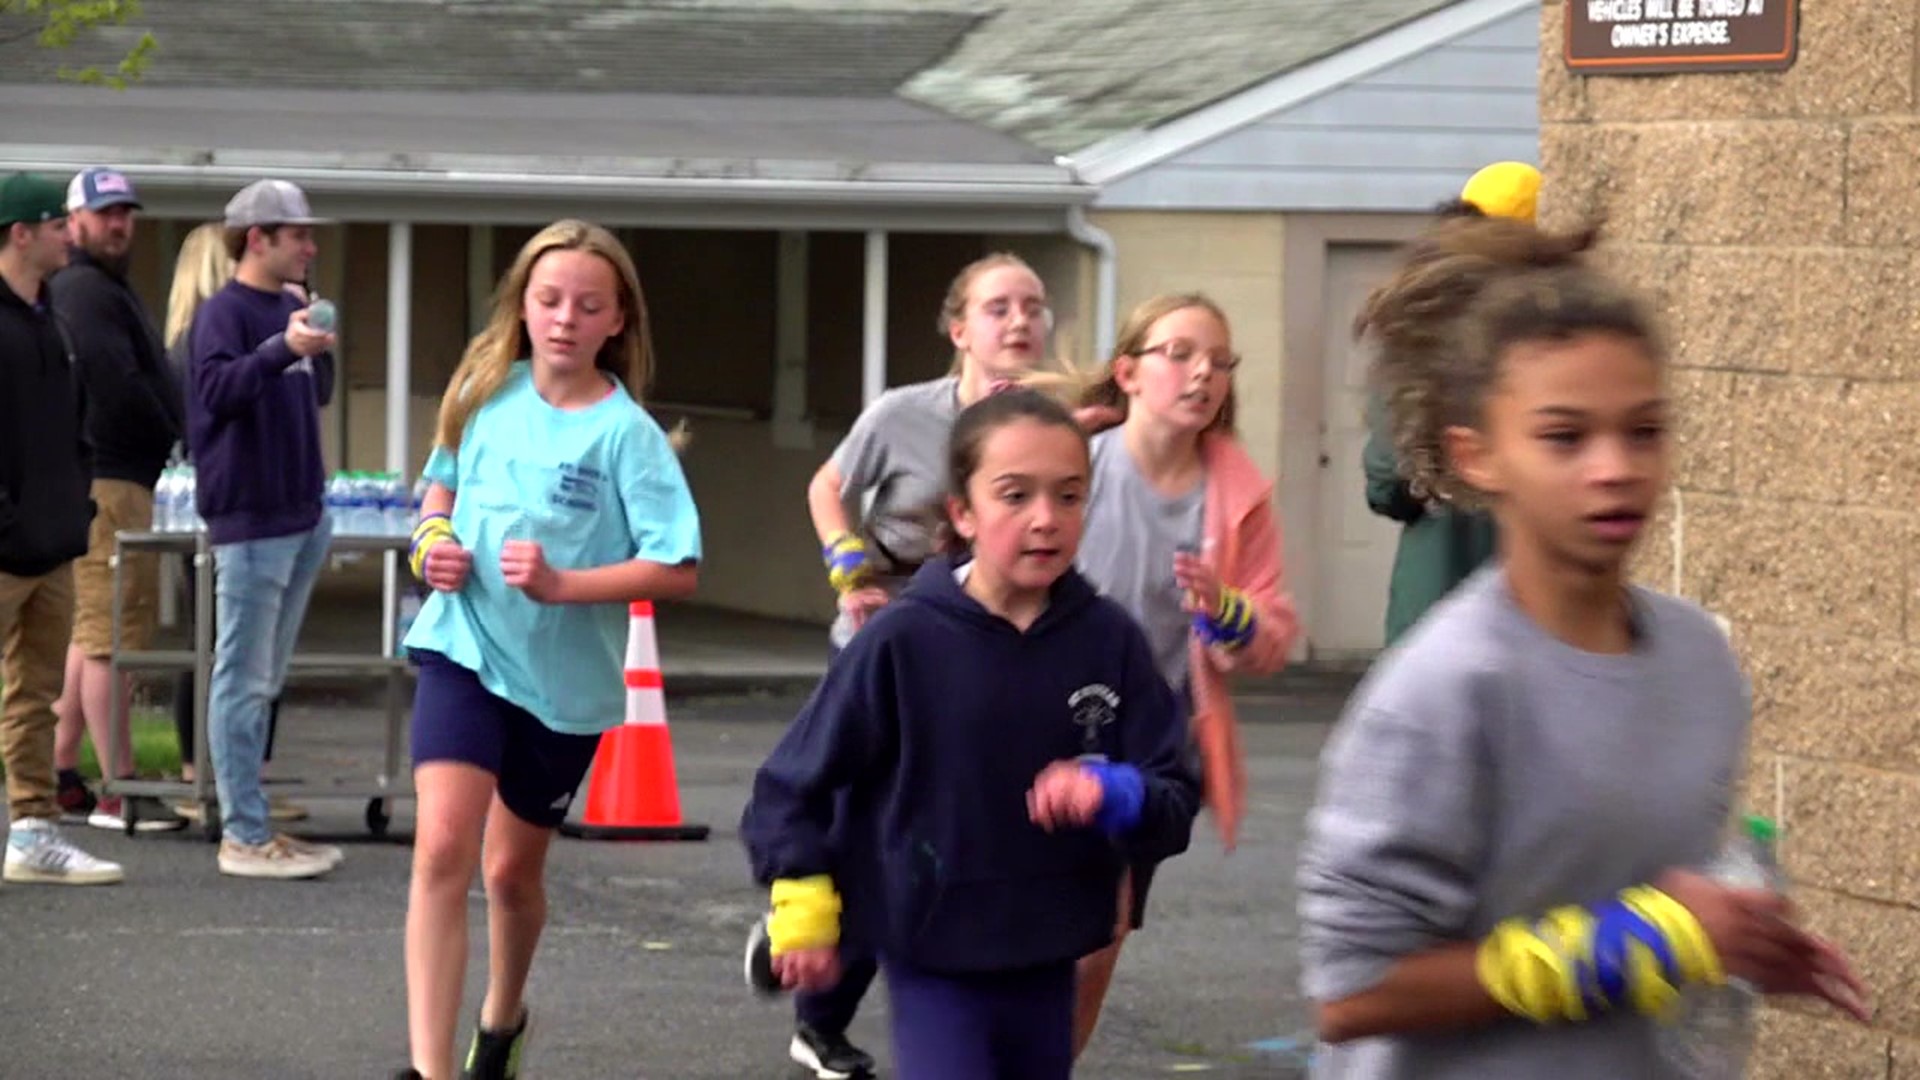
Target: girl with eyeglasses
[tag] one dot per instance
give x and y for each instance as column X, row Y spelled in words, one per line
column 1181, row 532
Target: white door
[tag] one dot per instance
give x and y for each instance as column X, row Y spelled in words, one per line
column 1356, row 545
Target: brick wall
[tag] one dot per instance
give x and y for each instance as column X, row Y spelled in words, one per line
column 1774, row 217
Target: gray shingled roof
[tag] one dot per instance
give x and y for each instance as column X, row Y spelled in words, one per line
column 1055, row 74
column 1063, row 75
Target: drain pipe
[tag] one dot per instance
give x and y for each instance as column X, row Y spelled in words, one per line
column 1106, row 296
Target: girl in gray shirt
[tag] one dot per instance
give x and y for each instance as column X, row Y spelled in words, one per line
column 1550, row 747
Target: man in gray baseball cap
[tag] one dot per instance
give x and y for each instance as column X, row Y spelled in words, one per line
column 270, row 202
column 258, row 374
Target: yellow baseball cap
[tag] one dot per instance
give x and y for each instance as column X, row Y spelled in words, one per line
column 1506, row 189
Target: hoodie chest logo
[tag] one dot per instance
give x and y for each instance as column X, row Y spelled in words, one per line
column 1093, row 707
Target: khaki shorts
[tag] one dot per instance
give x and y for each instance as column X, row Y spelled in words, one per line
column 121, row 504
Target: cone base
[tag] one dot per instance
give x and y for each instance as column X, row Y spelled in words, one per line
column 582, row 831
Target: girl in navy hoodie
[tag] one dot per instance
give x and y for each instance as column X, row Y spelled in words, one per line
column 1009, row 748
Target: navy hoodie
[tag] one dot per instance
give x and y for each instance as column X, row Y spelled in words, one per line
column 253, row 417
column 935, row 721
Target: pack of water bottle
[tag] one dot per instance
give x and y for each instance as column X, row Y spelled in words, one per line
column 173, row 501
column 1713, row 1035
column 364, row 503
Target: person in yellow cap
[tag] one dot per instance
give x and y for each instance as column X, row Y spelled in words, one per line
column 1505, row 189
column 1440, row 545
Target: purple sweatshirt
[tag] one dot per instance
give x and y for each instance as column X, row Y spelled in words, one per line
column 253, row 417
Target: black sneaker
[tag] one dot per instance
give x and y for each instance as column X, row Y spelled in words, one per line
column 408, row 1074
column 76, row 802
column 149, row 814
column 497, row 1055
column 759, row 966
column 831, row 1057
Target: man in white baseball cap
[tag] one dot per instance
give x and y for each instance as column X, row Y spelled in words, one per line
column 134, row 419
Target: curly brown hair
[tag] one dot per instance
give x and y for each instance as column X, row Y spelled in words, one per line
column 1465, row 293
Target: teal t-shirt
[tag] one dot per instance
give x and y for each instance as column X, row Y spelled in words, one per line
column 594, row 487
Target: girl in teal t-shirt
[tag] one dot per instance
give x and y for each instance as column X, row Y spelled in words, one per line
column 555, row 501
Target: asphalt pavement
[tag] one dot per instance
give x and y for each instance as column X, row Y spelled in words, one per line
column 183, row 973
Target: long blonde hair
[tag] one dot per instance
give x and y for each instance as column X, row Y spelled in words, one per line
column 202, row 268
column 627, row 356
column 1079, row 388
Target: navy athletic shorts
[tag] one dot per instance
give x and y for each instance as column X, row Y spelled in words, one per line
column 457, row 719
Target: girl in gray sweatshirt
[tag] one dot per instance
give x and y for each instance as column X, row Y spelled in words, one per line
column 1495, row 883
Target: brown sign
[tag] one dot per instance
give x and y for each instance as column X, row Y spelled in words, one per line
column 1638, row 37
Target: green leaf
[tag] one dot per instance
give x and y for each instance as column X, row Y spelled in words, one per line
column 58, row 24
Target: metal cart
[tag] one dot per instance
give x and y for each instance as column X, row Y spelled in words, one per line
column 390, row 784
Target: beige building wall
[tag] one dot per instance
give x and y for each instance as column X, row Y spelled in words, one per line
column 1234, row 258
column 1774, row 217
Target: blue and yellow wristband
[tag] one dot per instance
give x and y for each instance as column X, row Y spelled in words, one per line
column 430, row 530
column 1637, row 951
column 1231, row 623
column 846, row 558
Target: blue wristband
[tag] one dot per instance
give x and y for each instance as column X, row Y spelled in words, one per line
column 1123, row 795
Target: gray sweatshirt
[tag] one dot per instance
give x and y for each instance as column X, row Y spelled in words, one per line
column 1485, row 769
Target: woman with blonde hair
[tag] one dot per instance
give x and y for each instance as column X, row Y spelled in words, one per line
column 202, row 268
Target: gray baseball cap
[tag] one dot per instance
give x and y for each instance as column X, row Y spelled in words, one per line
column 270, row 202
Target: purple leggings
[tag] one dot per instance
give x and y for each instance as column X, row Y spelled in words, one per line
column 1000, row 1026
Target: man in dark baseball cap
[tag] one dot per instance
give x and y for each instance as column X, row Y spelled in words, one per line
column 45, row 513
column 26, row 199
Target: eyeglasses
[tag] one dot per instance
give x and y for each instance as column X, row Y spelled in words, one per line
column 1183, row 353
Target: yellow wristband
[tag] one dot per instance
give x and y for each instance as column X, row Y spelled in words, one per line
column 1527, row 975
column 426, row 534
column 806, row 915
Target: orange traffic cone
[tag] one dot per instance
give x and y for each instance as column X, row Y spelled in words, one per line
column 632, row 793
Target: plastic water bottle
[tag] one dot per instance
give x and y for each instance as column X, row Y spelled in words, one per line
column 1713, row 1035
column 363, row 504
column 323, row 316
column 338, row 499
column 163, row 501
column 396, row 505
column 187, row 508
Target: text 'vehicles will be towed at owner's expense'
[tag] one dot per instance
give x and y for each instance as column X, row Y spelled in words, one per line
column 1655, row 37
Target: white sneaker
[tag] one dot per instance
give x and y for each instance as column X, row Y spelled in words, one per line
column 282, row 858
column 37, row 854
column 329, row 852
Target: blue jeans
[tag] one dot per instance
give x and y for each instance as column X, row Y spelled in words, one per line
column 262, row 588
